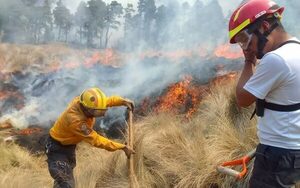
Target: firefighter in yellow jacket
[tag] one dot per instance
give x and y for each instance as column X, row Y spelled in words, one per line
column 74, row 125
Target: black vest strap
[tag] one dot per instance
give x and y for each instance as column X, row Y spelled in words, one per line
column 259, row 110
column 282, row 108
column 262, row 104
column 287, row 42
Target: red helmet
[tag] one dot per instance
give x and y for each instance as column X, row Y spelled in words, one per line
column 248, row 12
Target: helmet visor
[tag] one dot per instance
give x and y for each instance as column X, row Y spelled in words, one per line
column 244, row 39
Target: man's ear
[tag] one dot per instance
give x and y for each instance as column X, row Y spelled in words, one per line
column 266, row 25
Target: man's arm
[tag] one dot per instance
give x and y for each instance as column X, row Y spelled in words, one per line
column 243, row 97
column 92, row 137
column 119, row 101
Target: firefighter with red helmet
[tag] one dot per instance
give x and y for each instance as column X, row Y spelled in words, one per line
column 273, row 83
column 74, row 125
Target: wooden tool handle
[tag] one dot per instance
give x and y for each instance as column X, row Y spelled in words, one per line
column 132, row 178
column 228, row 171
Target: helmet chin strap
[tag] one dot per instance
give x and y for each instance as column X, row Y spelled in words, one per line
column 262, row 40
column 85, row 111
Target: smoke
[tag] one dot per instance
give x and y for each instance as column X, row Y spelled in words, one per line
column 48, row 94
column 21, row 119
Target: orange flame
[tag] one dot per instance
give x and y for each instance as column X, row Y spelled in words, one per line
column 175, row 96
column 228, row 51
column 28, row 131
column 15, row 96
column 175, row 55
column 185, row 97
column 227, row 78
column 182, row 97
column 89, row 62
column 106, row 57
column 5, row 125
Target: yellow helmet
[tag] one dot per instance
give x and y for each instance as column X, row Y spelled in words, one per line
column 93, row 98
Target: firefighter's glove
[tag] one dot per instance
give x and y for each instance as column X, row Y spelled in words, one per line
column 129, row 104
column 128, row 151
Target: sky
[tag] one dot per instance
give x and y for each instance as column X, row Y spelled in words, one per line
column 227, row 5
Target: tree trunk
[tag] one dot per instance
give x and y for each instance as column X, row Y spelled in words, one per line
column 66, row 35
column 38, row 36
column 35, row 33
column 89, row 38
column 80, row 35
column 59, row 32
column 101, row 35
column 106, row 35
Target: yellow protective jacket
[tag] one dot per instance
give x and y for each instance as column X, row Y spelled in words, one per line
column 73, row 127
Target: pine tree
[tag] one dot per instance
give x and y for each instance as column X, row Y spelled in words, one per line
column 82, row 16
column 128, row 24
column 146, row 15
column 47, row 21
column 149, row 18
column 96, row 23
column 114, row 10
column 62, row 19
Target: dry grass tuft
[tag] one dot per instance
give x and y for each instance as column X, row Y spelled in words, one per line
column 175, row 153
column 20, row 169
column 42, row 58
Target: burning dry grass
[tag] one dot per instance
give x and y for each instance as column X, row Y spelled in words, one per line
column 171, row 152
column 14, row 58
column 48, row 58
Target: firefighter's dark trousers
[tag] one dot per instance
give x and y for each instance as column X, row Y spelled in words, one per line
column 275, row 167
column 61, row 162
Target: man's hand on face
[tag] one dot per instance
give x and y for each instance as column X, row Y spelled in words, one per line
column 128, row 151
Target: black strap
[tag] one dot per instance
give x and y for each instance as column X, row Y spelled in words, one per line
column 282, row 108
column 278, row 107
column 287, row 42
column 253, row 114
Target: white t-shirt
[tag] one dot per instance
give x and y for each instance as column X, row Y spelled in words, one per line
column 277, row 80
